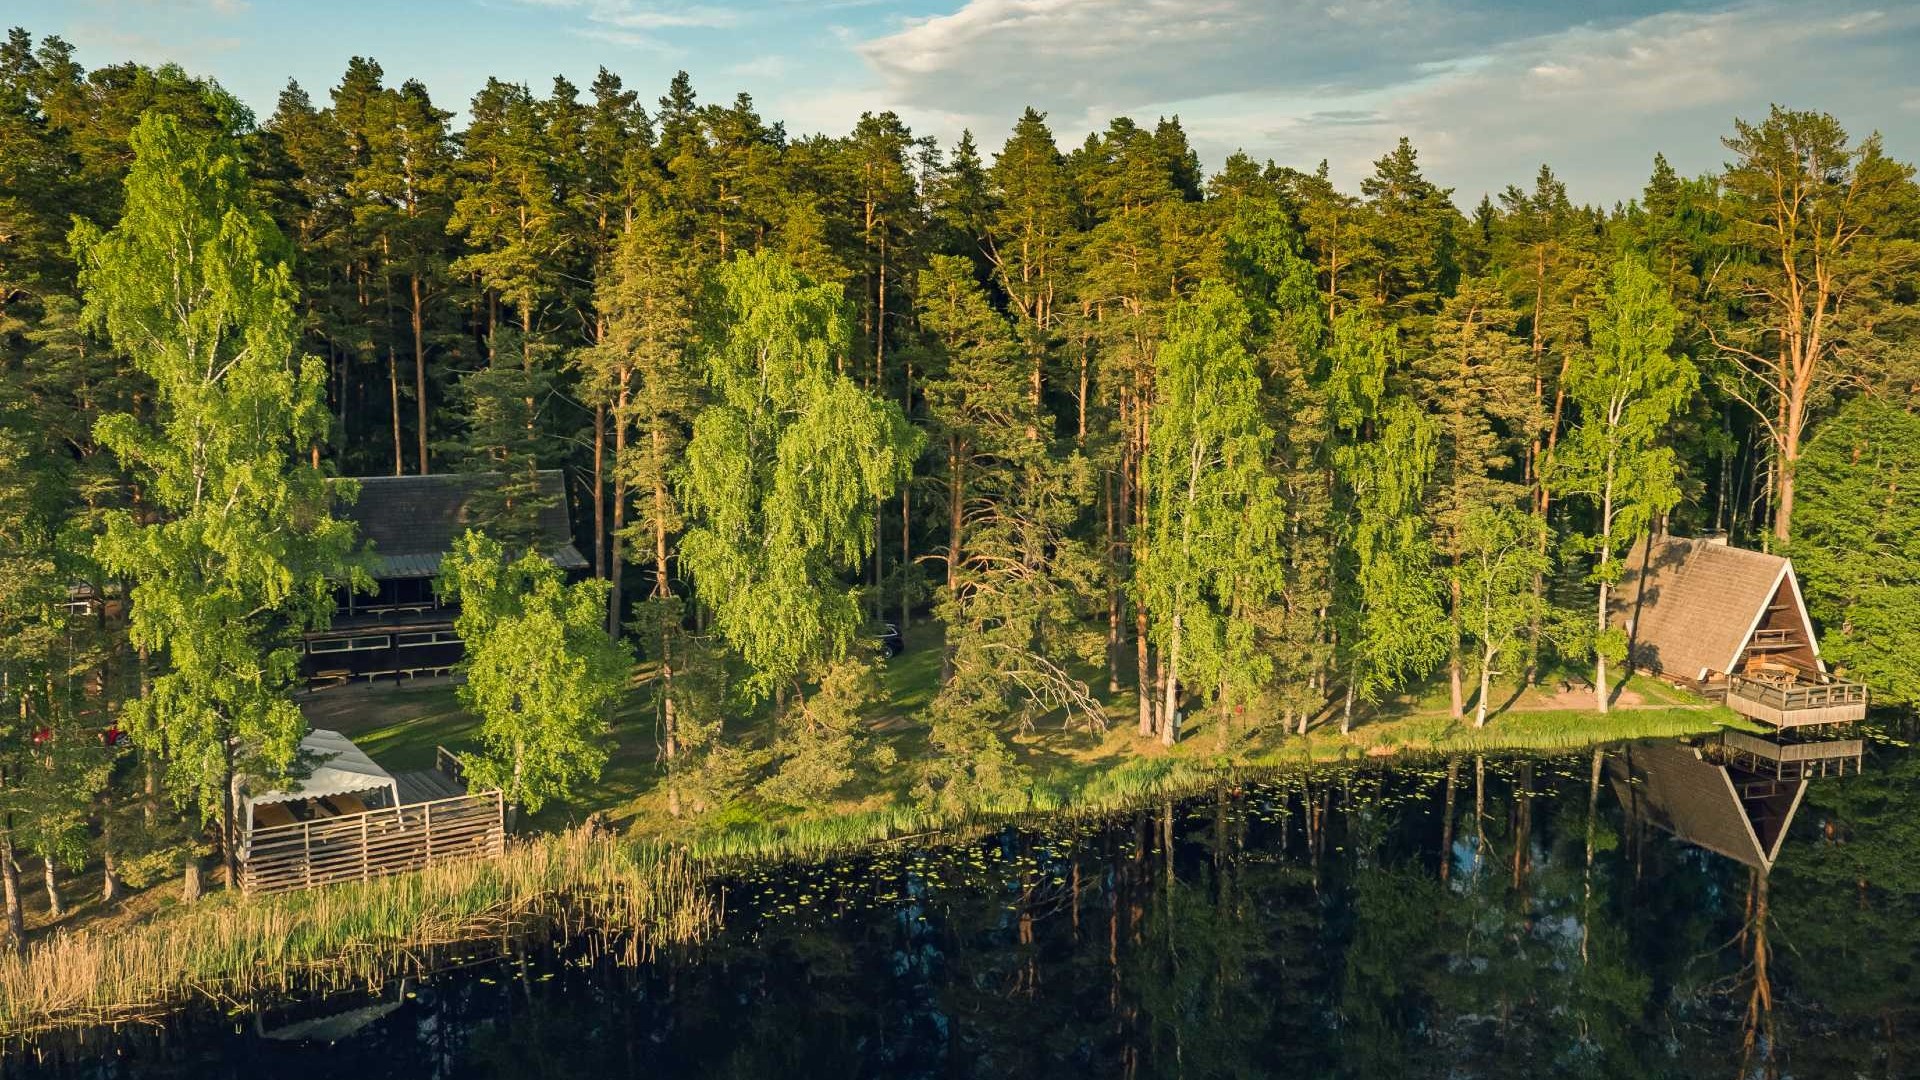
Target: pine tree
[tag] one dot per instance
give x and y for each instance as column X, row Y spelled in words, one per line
column 403, row 195
column 1857, row 548
column 1409, row 244
column 1474, row 382
column 1014, row 571
column 503, row 437
column 1814, row 210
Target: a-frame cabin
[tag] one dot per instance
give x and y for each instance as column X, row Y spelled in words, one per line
column 1729, row 622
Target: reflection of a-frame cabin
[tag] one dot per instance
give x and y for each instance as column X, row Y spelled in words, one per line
column 1681, row 790
column 1732, row 624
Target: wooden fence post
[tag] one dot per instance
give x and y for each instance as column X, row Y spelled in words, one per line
column 428, row 809
column 306, row 854
column 364, row 871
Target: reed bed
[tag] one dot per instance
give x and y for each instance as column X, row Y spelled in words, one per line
column 229, row 946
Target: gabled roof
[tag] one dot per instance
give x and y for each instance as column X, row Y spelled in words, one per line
column 1701, row 602
column 1676, row 789
column 410, row 522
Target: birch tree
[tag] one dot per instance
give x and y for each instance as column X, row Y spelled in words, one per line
column 238, row 552
column 1499, row 556
column 1628, row 387
column 1214, row 536
column 540, row 670
column 785, row 469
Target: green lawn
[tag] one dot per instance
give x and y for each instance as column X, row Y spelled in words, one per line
column 400, row 727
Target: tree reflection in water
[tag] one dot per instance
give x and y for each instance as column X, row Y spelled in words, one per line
column 1365, row 923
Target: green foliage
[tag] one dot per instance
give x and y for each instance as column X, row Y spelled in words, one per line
column 1500, row 557
column 238, row 552
column 822, row 740
column 784, row 469
column 1016, row 574
column 1213, row 544
column 1857, row 544
column 1395, row 621
column 503, row 439
column 1627, row 388
column 540, row 670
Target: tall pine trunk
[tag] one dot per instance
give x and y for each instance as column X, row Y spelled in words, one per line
column 1455, row 675
column 600, row 491
column 393, row 394
column 419, row 320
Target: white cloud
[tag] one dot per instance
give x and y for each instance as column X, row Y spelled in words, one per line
column 636, row 15
column 1487, row 89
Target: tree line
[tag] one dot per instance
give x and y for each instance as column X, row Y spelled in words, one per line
column 1241, row 445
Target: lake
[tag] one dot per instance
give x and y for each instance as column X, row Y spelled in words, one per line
column 1646, row 912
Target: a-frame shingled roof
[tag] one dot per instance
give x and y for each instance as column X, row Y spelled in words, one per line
column 1701, row 602
column 410, row 522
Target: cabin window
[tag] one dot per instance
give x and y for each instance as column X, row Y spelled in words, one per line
column 437, row 637
column 352, row 644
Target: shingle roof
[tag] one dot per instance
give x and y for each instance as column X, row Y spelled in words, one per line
column 1701, row 602
column 1674, row 788
column 410, row 522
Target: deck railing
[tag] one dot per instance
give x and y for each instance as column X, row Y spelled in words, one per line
column 359, row 847
column 1794, row 698
column 1797, row 706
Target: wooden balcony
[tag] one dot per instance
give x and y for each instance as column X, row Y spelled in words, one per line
column 1786, row 706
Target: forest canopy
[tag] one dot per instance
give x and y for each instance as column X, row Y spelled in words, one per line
column 1114, row 426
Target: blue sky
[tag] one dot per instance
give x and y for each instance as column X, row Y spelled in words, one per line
column 1487, row 89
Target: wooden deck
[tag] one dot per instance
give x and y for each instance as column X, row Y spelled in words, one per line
column 427, row 785
column 1797, row 706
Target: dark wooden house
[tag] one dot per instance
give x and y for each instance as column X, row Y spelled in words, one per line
column 1731, row 622
column 409, row 523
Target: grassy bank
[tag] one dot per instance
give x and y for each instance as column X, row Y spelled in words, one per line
column 230, row 946
column 650, row 886
column 1121, row 775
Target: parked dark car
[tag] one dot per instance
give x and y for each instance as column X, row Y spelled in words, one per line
column 890, row 641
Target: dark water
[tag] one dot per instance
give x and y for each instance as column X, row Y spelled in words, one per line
column 1556, row 922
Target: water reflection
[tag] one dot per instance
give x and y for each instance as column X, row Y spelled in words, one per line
column 1712, row 912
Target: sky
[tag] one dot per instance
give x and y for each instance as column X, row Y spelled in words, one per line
column 1487, row 90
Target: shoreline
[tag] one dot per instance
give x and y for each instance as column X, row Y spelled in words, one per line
column 649, row 886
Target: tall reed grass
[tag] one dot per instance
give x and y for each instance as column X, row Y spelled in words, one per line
column 231, row 946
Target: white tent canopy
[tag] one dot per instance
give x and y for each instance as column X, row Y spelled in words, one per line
column 340, row 768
